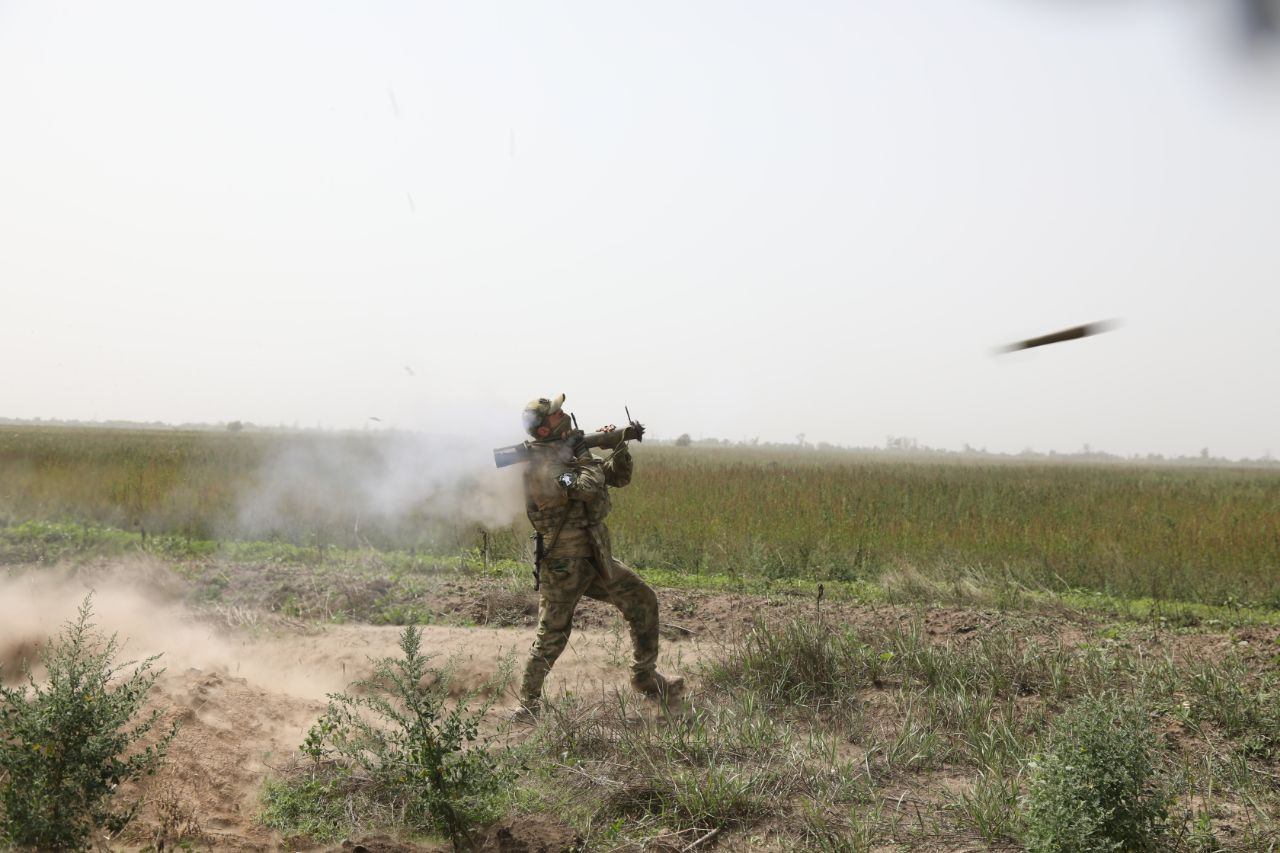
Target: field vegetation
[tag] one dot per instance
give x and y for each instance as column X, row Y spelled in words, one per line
column 922, row 654
column 877, row 737
column 1130, row 530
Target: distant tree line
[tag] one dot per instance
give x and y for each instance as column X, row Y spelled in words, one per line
column 908, row 446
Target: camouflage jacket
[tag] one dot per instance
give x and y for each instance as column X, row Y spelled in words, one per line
column 567, row 499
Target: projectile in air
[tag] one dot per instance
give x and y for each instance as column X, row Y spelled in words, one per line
column 1075, row 332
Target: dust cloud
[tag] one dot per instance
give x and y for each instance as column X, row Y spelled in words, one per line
column 140, row 606
column 133, row 602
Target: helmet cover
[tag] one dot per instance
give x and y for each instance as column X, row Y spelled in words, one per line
column 537, row 411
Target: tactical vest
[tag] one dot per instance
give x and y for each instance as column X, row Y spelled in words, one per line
column 572, row 528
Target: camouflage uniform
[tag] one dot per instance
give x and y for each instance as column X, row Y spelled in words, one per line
column 567, row 498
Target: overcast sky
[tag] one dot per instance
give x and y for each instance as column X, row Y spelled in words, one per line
column 740, row 219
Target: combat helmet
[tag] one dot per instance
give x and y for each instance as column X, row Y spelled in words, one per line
column 536, row 413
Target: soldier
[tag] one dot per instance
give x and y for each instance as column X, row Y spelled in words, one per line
column 567, row 497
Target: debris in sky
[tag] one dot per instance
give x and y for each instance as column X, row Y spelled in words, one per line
column 372, row 418
column 409, row 370
column 413, row 208
column 395, row 107
column 1071, row 334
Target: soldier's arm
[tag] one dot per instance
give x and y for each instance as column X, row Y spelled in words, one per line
column 618, row 468
column 582, row 481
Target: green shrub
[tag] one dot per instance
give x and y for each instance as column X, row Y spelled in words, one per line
column 1093, row 788
column 311, row 807
column 397, row 749
column 67, row 743
column 800, row 663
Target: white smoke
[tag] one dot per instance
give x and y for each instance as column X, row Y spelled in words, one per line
column 377, row 480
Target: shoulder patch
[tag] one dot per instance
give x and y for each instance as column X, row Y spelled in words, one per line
column 567, row 479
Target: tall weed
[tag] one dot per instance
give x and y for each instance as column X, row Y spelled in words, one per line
column 394, row 742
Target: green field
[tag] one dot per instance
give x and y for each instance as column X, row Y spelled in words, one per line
column 1169, row 533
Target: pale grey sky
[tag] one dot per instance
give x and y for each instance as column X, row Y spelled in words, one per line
column 738, row 218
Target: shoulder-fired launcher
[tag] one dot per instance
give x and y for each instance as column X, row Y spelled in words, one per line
column 523, row 452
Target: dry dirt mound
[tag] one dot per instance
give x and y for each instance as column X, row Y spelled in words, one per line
column 246, row 700
column 246, row 715
column 232, row 731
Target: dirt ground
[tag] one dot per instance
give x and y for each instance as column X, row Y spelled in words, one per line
column 246, row 693
column 246, row 686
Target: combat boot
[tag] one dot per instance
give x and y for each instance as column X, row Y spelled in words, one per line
column 527, row 712
column 655, row 685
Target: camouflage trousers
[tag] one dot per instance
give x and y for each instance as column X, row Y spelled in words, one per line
column 564, row 582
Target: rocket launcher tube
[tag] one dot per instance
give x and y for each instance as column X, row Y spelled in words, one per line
column 523, row 452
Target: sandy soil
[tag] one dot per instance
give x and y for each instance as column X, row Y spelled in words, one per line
column 246, row 695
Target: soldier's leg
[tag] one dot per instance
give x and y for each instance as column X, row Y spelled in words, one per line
column 638, row 604
column 563, row 582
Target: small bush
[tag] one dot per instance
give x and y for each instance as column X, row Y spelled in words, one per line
column 1093, row 788
column 66, row 744
column 397, row 750
column 310, row 807
column 800, row 663
column 614, row 766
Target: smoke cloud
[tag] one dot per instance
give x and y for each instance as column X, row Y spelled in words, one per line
column 377, row 483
